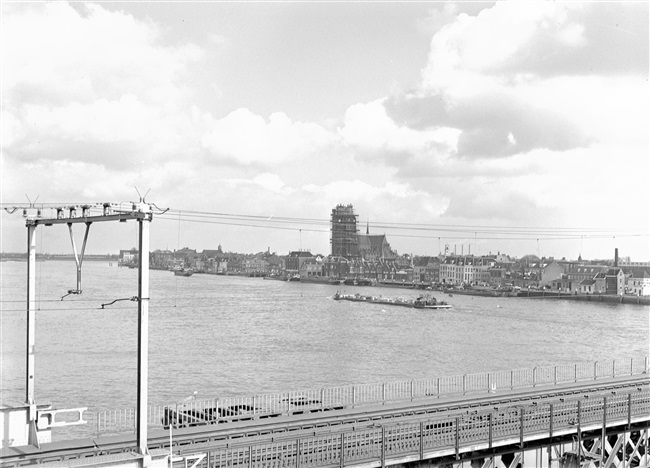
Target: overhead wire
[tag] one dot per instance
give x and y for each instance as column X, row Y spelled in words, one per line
column 265, row 221
column 489, row 232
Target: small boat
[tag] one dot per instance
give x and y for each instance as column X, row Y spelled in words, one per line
column 422, row 302
column 276, row 277
column 183, row 272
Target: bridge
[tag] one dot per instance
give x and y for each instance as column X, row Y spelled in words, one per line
column 587, row 414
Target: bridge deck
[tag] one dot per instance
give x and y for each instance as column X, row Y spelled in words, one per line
column 420, row 429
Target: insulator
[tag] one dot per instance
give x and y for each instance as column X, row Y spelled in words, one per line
column 107, row 209
column 59, row 213
column 85, row 211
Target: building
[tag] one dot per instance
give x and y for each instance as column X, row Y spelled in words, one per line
column 426, row 269
column 615, row 281
column 295, row 259
column 128, row 257
column 336, row 267
column 344, row 232
column 465, row 269
column 551, row 271
column 639, row 284
column 373, row 247
column 582, row 272
column 311, row 267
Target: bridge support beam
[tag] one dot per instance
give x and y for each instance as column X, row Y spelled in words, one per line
column 622, row 450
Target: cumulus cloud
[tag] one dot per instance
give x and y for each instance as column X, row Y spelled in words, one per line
column 86, row 84
column 373, row 135
column 243, row 137
column 489, row 76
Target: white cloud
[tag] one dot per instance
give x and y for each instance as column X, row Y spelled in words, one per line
column 246, row 138
column 71, row 80
column 373, row 134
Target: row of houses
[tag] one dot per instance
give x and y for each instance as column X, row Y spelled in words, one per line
column 448, row 270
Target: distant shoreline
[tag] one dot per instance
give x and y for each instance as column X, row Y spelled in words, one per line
column 54, row 257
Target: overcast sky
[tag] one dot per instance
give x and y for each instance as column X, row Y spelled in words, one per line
column 518, row 127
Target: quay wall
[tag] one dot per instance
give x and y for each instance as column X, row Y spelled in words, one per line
column 608, row 298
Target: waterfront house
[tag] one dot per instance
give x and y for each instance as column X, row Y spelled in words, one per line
column 582, row 272
column 615, row 281
column 600, row 283
column 465, row 269
column 295, row 259
column 638, row 283
column 128, row 257
column 426, row 269
column 336, row 267
column 311, row 267
column 551, row 271
column 255, row 265
column 587, row 286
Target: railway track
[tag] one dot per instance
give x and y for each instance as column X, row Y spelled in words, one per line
column 301, row 424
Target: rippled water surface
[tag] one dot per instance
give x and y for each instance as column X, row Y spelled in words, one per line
column 223, row 336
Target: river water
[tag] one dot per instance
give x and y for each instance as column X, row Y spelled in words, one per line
column 225, row 336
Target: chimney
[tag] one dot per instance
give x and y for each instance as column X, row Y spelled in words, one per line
column 616, row 257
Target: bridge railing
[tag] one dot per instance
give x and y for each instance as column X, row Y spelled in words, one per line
column 198, row 412
column 441, row 436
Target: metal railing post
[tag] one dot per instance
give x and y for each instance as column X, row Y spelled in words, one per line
column 603, row 433
column 383, row 446
column 457, row 442
column 629, row 411
column 297, row 453
column 550, row 435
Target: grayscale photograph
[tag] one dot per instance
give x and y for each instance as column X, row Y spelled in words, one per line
column 325, row 234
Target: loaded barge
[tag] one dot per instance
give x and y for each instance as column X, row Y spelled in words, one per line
column 421, row 302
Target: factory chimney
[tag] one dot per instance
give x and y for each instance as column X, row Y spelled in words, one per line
column 616, row 257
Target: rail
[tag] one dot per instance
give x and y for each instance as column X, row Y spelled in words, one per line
column 436, row 437
column 196, row 412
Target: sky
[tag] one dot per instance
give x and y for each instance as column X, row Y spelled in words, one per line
column 512, row 127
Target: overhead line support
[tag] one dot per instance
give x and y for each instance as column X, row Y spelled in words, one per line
column 143, row 213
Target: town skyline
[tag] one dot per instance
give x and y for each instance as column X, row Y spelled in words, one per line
column 504, row 126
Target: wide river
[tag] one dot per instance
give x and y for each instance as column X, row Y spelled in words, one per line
column 225, row 335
